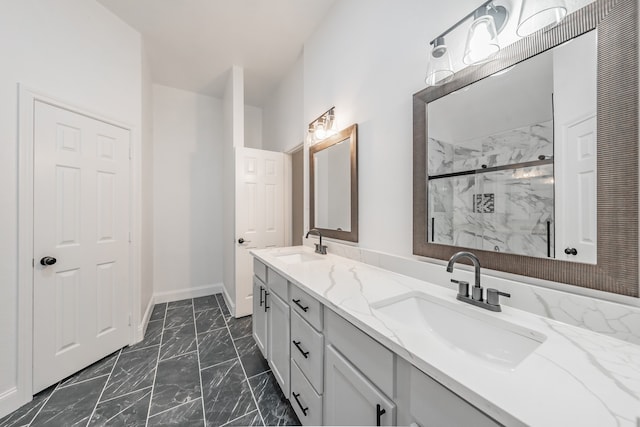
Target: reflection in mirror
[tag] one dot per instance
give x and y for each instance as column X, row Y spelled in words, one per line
column 511, row 158
column 334, row 185
column 332, row 196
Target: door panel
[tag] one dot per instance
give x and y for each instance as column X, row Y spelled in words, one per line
column 578, row 222
column 81, row 218
column 259, row 214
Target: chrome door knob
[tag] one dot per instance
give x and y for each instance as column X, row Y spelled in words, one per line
column 48, row 260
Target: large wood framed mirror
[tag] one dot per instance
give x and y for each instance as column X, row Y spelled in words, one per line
column 333, row 184
column 500, row 153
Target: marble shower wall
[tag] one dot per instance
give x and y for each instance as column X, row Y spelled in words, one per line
column 513, row 146
column 508, row 210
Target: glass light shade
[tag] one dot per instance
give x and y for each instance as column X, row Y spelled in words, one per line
column 482, row 41
column 320, row 132
column 538, row 14
column 439, row 68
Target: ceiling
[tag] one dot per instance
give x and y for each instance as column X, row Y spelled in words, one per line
column 192, row 44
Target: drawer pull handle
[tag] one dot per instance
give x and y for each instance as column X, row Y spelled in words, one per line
column 261, row 300
column 304, row 353
column 266, row 307
column 297, row 302
column 304, row 410
column 379, row 412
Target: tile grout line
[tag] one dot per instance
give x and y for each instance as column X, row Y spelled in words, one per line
column 83, row 381
column 257, row 375
column 164, row 411
column 195, row 327
column 241, row 416
column 241, row 365
column 126, row 394
column 104, row 387
column 128, row 407
column 43, row 405
column 155, row 374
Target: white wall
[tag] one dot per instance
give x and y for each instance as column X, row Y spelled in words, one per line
column 187, row 192
column 252, row 127
column 146, row 267
column 234, row 109
column 79, row 53
column 283, row 113
column 370, row 76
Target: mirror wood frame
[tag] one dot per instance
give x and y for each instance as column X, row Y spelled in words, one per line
column 617, row 266
column 350, row 133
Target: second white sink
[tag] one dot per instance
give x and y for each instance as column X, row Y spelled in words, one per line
column 487, row 337
column 298, row 257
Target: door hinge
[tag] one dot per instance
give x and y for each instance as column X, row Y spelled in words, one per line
column 33, row 262
column 129, row 237
column 129, row 319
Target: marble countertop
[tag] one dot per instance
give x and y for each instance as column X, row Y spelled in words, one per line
column 575, row 377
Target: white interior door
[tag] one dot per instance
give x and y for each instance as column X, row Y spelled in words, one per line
column 259, row 214
column 81, row 218
column 577, row 179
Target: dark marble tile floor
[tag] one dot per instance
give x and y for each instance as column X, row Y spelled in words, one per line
column 197, row 366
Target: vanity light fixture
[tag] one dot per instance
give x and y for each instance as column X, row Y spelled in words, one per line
column 322, row 127
column 482, row 42
column 540, row 14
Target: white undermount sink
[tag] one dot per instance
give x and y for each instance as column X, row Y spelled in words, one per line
column 485, row 336
column 298, row 257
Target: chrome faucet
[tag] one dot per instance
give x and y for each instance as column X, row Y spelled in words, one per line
column 320, row 248
column 493, row 295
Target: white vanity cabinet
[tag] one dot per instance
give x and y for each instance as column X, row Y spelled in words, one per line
column 359, row 376
column 335, row 374
column 271, row 328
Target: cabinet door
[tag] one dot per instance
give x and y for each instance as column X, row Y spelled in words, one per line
column 278, row 342
column 431, row 404
column 350, row 398
column 259, row 315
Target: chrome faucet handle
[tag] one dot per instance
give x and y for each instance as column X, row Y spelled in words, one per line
column 463, row 287
column 321, row 249
column 493, row 296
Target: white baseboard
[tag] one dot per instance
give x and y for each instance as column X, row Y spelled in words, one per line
column 144, row 322
column 230, row 302
column 177, row 295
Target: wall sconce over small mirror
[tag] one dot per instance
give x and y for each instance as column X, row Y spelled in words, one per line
column 333, row 185
column 323, row 127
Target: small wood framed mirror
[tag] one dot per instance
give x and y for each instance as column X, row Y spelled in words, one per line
column 333, row 185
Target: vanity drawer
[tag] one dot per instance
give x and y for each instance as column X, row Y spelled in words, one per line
column 304, row 399
column 306, row 306
column 307, row 350
column 260, row 270
column 370, row 357
column 277, row 284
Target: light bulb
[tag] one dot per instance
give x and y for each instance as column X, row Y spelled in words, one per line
column 482, row 41
column 320, row 132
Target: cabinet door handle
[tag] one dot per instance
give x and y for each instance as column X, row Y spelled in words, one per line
column 266, row 307
column 296, row 396
column 297, row 302
column 379, row 413
column 261, row 300
column 304, row 353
